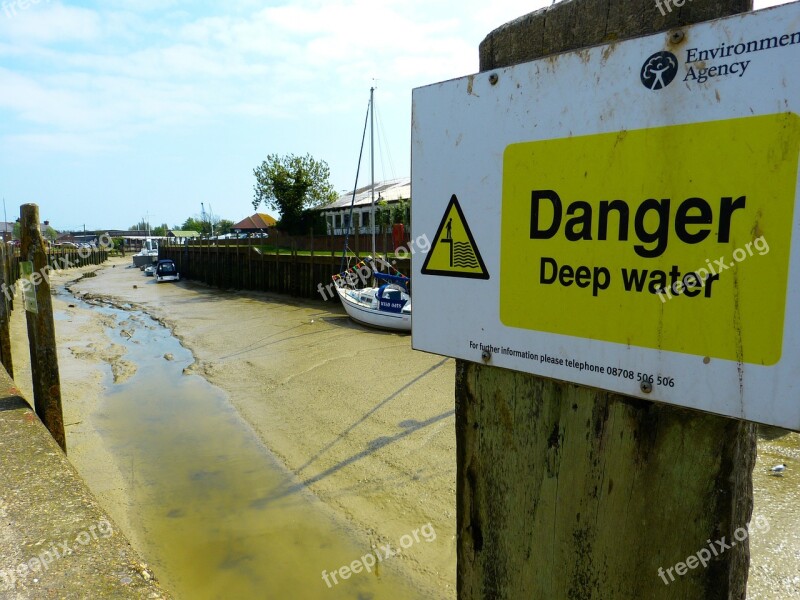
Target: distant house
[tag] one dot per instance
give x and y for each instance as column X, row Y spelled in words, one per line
column 132, row 239
column 182, row 235
column 257, row 223
column 337, row 214
column 7, row 229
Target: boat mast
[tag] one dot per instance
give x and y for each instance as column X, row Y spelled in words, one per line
column 372, row 161
column 355, row 185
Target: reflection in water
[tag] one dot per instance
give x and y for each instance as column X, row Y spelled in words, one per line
column 198, row 479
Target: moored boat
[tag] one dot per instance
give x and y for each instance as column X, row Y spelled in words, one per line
column 147, row 255
column 387, row 303
column 386, row 306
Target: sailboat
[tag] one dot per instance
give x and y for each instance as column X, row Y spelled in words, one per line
column 387, row 303
column 149, row 253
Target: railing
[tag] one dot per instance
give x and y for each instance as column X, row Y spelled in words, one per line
column 250, row 265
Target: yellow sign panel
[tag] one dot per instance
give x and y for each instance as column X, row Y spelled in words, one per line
column 685, row 230
column 454, row 252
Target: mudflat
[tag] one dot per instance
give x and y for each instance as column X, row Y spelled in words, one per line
column 362, row 421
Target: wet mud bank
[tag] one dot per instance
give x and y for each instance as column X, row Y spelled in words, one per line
column 775, row 547
column 353, row 416
column 356, row 423
column 217, row 514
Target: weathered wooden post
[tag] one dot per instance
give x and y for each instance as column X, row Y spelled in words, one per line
column 277, row 285
column 569, row 492
column 5, row 289
column 249, row 240
column 311, row 272
column 41, row 327
column 535, row 185
column 239, row 267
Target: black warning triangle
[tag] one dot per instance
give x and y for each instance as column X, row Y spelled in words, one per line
column 454, row 252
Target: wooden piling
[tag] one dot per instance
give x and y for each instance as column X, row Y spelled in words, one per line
column 5, row 312
column 566, row 492
column 41, row 328
column 289, row 272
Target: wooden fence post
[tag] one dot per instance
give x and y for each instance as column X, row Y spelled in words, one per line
column 41, row 328
column 569, row 492
column 312, row 273
column 238, row 269
column 5, row 336
column 250, row 262
column 277, row 279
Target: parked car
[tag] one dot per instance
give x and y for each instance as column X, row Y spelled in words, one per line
column 167, row 271
column 149, row 270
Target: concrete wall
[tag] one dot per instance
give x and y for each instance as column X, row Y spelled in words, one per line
column 55, row 540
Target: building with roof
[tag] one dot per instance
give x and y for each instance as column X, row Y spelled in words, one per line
column 256, row 223
column 182, row 234
column 337, row 214
column 7, row 229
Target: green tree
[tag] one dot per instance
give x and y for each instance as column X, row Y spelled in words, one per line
column 292, row 184
column 192, row 224
column 196, row 223
column 140, row 226
column 401, row 212
column 223, row 226
column 161, row 230
column 383, row 215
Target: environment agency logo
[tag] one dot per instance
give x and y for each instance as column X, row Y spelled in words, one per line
column 659, row 70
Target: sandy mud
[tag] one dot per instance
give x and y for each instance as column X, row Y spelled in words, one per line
column 356, row 416
column 359, row 419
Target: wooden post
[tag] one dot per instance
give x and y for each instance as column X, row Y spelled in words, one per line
column 568, row 492
column 205, row 253
column 41, row 329
column 250, row 263
column 311, row 274
column 232, row 265
column 292, row 270
column 5, row 289
column 10, row 269
column 277, row 286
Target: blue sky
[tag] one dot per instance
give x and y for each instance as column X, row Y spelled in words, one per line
column 113, row 110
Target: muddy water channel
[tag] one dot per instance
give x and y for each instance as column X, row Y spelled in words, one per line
column 775, row 545
column 217, row 516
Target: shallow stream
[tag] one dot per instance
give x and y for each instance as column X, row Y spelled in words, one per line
column 219, row 516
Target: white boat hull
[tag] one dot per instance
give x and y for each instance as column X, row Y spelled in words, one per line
column 369, row 315
column 142, row 260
